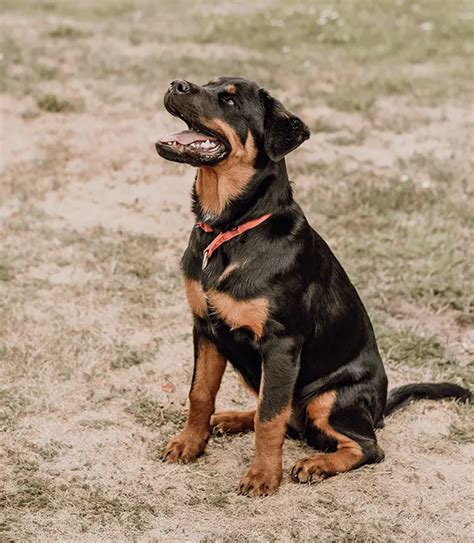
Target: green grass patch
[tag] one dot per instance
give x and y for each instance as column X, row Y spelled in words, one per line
column 353, row 102
column 150, row 413
column 50, row 451
column 96, row 424
column 86, row 9
column 12, row 404
column 358, row 29
column 6, row 272
column 409, row 348
column 349, row 138
column 66, row 32
column 127, row 358
column 323, row 125
column 55, row 104
column 412, row 235
column 405, row 348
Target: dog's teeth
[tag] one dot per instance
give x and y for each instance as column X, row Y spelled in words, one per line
column 208, row 144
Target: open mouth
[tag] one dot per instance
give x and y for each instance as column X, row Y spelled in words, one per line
column 196, row 146
column 191, row 140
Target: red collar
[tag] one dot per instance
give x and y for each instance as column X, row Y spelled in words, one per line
column 226, row 236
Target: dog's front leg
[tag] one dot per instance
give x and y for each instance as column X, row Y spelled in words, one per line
column 209, row 366
column 279, row 372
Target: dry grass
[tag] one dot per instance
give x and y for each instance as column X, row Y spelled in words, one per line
column 95, row 342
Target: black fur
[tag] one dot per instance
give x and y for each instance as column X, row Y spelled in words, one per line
column 318, row 336
column 283, row 130
column 401, row 396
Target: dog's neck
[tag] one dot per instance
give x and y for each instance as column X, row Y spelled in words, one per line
column 267, row 191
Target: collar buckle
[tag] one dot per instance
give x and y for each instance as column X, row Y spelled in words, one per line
column 223, row 237
column 205, row 258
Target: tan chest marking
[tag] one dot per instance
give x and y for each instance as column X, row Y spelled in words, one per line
column 196, row 297
column 217, row 185
column 251, row 314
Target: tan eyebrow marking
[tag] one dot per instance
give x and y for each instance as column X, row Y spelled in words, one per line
column 231, row 89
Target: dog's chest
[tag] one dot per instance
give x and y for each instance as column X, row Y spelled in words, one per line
column 208, row 301
column 211, row 295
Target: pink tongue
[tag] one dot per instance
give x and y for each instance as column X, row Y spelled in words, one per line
column 185, row 137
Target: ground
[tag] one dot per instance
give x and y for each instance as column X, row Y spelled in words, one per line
column 95, row 336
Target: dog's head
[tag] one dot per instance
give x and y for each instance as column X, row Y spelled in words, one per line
column 229, row 118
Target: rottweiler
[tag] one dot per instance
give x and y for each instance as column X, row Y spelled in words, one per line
column 269, row 296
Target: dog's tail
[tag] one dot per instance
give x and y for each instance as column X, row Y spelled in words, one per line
column 401, row 396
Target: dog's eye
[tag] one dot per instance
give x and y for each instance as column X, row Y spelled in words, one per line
column 229, row 101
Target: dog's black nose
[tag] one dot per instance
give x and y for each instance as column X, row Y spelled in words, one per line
column 180, row 86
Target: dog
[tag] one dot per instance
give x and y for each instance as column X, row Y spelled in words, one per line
column 269, row 296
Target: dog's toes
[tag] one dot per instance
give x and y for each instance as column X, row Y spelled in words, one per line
column 257, row 483
column 307, row 470
column 183, row 448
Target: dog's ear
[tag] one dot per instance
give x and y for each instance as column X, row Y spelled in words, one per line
column 283, row 131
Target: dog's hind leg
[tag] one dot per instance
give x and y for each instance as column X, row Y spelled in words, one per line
column 346, row 433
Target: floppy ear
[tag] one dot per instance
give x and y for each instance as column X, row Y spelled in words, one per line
column 283, row 131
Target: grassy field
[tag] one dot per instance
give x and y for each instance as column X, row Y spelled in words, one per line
column 95, row 337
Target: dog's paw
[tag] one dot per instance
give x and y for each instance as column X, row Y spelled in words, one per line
column 311, row 469
column 258, row 482
column 232, row 422
column 185, row 447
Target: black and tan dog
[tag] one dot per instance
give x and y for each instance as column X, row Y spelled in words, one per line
column 269, row 296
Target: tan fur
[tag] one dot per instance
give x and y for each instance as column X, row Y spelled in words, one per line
column 321, row 466
column 233, row 422
column 251, row 314
column 217, row 185
column 264, row 475
column 208, row 374
column 191, row 442
column 230, row 89
column 196, row 297
column 269, row 438
column 319, row 410
column 230, row 268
